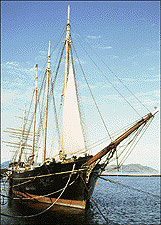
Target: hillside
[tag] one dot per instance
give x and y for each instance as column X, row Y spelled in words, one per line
column 133, row 168
column 5, row 165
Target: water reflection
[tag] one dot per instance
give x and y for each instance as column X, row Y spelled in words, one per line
column 119, row 205
column 72, row 217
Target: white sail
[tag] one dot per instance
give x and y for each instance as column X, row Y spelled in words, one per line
column 73, row 140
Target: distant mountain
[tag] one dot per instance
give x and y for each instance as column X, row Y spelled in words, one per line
column 133, row 168
column 5, row 165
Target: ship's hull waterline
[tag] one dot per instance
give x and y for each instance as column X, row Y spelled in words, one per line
column 41, row 187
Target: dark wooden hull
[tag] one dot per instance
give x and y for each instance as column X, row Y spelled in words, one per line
column 41, row 186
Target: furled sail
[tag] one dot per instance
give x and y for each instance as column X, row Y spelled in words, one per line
column 72, row 139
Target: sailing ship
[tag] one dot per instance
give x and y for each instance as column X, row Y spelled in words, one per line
column 67, row 180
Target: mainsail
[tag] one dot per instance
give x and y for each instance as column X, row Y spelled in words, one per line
column 72, row 137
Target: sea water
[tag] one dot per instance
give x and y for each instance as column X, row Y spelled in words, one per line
column 119, row 204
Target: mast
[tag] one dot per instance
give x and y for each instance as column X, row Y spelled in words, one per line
column 34, row 119
column 22, row 134
column 67, row 44
column 46, row 104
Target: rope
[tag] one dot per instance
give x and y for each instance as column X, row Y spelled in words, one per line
column 92, row 94
column 47, row 175
column 93, row 199
column 110, row 81
column 41, row 196
column 52, row 93
column 38, row 214
column 127, row 186
column 78, row 100
column 130, row 142
column 114, row 73
column 136, row 142
column 26, row 138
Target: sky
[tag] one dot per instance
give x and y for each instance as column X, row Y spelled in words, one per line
column 125, row 35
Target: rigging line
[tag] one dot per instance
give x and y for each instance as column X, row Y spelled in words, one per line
column 78, row 98
column 58, row 57
column 41, row 117
column 134, row 138
column 93, row 199
column 110, row 82
column 38, row 214
column 98, row 143
column 95, row 144
column 47, row 175
column 57, row 70
column 114, row 73
column 39, row 93
column 92, row 94
column 56, row 118
column 52, row 93
column 129, row 141
column 136, row 142
column 44, row 79
column 61, row 34
column 40, row 196
column 133, row 145
column 127, row 186
column 41, row 113
column 26, row 120
column 53, row 82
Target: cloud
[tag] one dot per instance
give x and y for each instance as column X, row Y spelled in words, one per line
column 105, row 47
column 150, row 99
column 115, row 57
column 43, row 53
column 153, row 79
column 129, row 58
column 82, row 62
column 114, row 98
column 85, row 86
column 17, row 82
column 10, row 97
column 94, row 37
column 16, row 68
column 145, row 78
column 12, row 64
column 149, row 93
column 129, row 79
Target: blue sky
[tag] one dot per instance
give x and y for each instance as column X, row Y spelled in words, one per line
column 125, row 35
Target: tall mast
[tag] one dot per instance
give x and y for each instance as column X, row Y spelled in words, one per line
column 22, row 134
column 46, row 104
column 34, row 119
column 67, row 44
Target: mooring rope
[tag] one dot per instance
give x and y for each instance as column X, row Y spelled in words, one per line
column 47, row 175
column 93, row 199
column 41, row 196
column 127, row 186
column 38, row 214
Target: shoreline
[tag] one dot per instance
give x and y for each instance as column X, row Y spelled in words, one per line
column 132, row 175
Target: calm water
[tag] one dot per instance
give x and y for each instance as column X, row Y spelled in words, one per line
column 120, row 205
